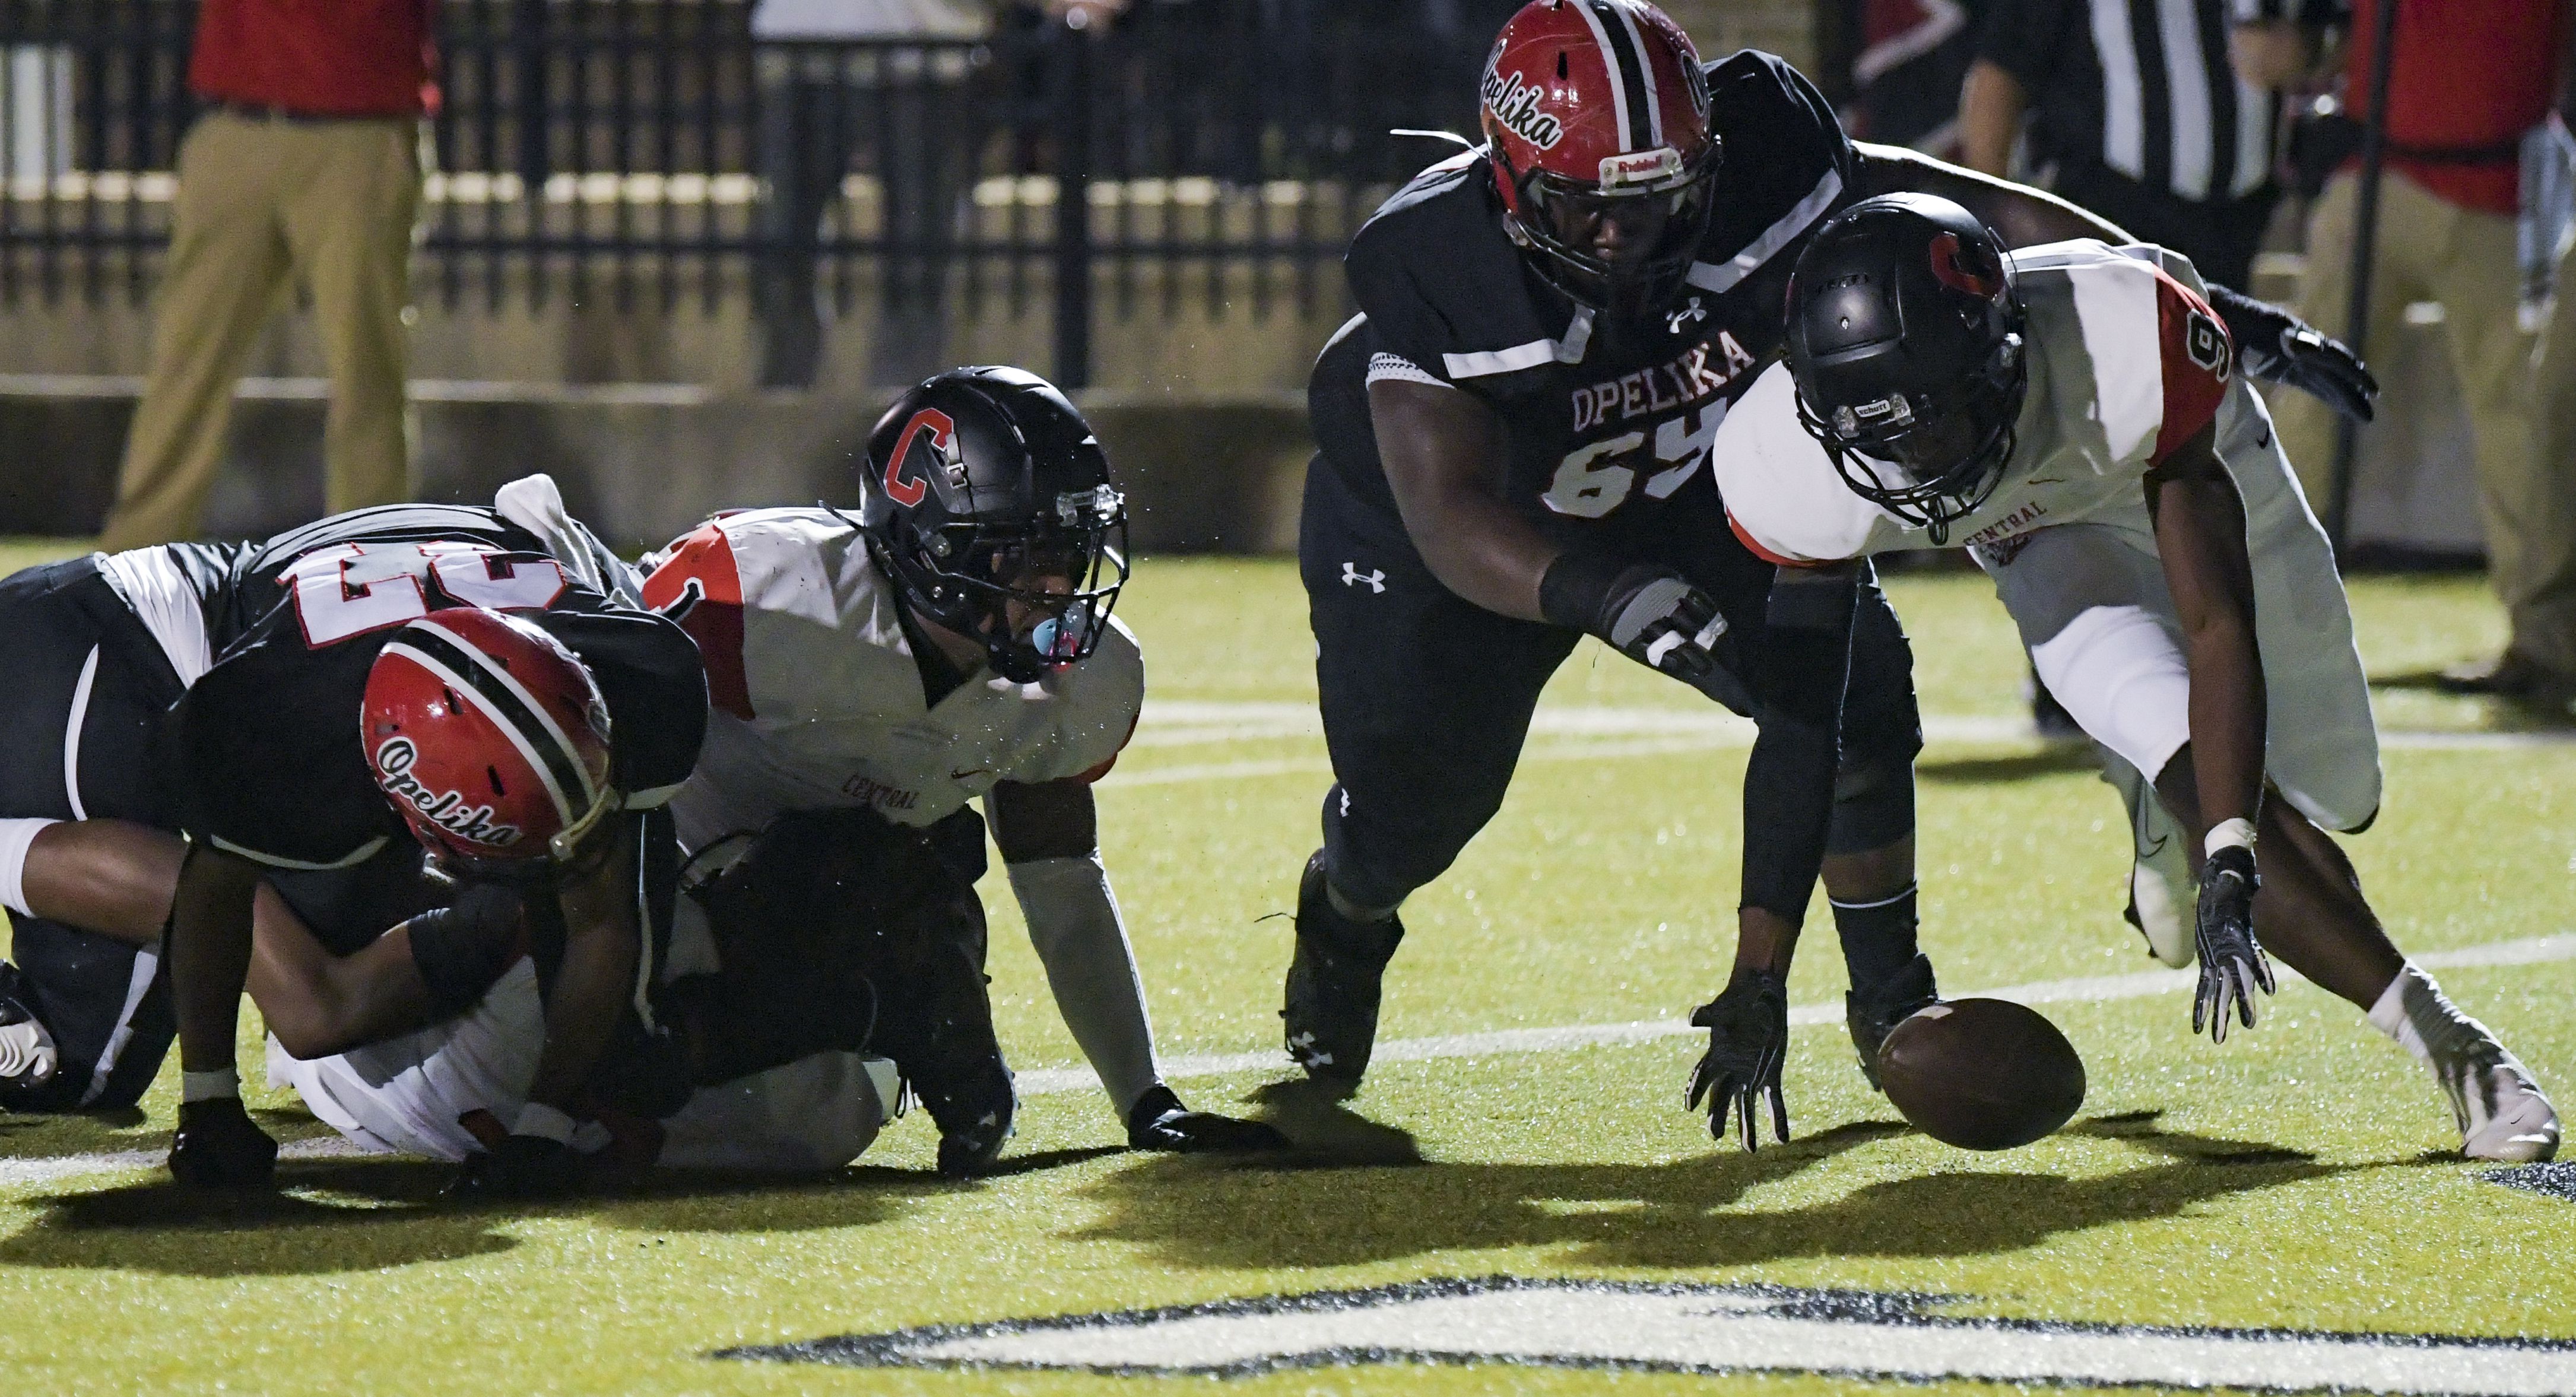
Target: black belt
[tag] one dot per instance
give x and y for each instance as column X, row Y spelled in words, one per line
column 252, row 111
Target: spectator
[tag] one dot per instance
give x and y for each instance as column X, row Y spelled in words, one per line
column 819, row 103
column 2468, row 83
column 305, row 167
column 2137, row 115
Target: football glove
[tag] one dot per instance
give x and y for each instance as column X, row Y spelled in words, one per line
column 2278, row 347
column 1748, row 1038
column 1160, row 1122
column 520, row 1166
column 2232, row 963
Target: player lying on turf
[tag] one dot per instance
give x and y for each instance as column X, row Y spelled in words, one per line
column 829, row 978
column 2067, row 414
column 953, row 643
column 99, row 649
column 1554, row 324
column 296, row 750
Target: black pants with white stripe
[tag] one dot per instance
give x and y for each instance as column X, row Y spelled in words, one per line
column 1427, row 697
column 86, row 685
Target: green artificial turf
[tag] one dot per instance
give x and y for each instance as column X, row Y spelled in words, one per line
column 2299, row 1176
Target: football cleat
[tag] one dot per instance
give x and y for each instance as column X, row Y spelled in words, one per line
column 2500, row 1110
column 217, row 1147
column 1333, row 985
column 1872, row 1012
column 28, row 1058
column 2160, row 896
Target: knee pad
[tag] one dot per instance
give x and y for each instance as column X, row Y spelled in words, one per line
column 462, row 948
column 1873, row 805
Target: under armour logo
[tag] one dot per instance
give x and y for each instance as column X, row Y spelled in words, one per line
column 1352, row 577
column 1674, row 322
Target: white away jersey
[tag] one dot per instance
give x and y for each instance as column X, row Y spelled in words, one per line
column 817, row 701
column 2126, row 363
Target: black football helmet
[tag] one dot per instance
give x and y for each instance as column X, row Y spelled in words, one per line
column 987, row 500
column 1905, row 339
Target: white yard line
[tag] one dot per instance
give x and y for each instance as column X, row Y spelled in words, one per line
column 2090, row 989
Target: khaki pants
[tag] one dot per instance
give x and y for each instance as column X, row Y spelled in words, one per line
column 263, row 204
column 2431, row 250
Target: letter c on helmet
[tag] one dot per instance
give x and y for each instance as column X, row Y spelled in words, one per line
column 943, row 434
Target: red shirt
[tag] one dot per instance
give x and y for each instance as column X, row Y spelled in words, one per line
column 326, row 57
column 2468, row 74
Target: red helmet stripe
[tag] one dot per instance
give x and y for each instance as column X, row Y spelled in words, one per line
column 511, row 708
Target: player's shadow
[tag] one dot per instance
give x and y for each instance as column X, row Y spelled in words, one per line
column 856, row 1196
column 2056, row 759
column 1681, row 1214
column 336, row 1216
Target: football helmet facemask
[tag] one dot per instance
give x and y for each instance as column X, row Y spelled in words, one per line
column 1905, row 340
column 988, row 502
column 491, row 741
column 1596, row 119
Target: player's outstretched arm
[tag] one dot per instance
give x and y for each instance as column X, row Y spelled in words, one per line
column 1048, row 833
column 2200, row 536
column 216, row 1146
column 1443, row 451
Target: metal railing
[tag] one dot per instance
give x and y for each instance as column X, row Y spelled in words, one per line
column 654, row 151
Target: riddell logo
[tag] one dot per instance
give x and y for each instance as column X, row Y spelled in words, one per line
column 1515, row 105
column 445, row 809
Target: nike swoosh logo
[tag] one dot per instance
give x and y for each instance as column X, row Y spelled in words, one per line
column 2046, row 480
column 970, row 771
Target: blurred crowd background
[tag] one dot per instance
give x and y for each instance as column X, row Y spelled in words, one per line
column 263, row 257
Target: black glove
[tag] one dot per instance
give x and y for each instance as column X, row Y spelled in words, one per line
column 1748, row 1037
column 2232, row 963
column 521, row 1166
column 2278, row 347
column 1160, row 1122
column 1651, row 614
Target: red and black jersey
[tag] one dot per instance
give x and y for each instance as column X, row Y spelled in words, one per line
column 266, row 746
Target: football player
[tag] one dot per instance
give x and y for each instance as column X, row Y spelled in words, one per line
column 953, row 643
column 374, row 699
column 1554, row 324
column 99, row 648
column 2068, row 415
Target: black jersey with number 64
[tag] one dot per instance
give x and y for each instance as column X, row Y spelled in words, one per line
column 266, row 745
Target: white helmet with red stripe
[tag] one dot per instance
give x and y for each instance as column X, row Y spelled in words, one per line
column 489, row 737
column 1596, row 114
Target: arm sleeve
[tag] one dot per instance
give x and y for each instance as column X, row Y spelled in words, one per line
column 1081, row 939
column 2194, row 356
column 2025, row 38
column 1798, row 673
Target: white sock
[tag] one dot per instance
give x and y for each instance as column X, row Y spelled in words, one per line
column 209, row 1086
column 15, row 838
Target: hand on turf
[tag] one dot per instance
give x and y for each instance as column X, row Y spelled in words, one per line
column 520, row 1166
column 2232, row 963
column 2278, row 347
column 1160, row 1122
column 1748, row 1038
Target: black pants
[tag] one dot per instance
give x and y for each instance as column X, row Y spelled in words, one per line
column 87, row 685
column 1427, row 697
column 2220, row 236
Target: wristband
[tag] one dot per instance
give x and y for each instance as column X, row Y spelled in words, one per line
column 1574, row 589
column 545, row 1121
column 2229, row 834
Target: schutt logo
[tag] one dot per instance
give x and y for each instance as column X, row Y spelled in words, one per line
column 445, row 809
column 1516, row 105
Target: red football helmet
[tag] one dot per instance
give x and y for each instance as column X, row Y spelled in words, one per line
column 489, row 737
column 1596, row 115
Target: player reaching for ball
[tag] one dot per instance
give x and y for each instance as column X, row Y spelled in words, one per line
column 2068, row 415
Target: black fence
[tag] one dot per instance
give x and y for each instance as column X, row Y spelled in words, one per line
column 657, row 153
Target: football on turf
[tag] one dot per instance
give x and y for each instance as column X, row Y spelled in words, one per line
column 1982, row 1074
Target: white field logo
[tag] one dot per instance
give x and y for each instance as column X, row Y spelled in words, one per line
column 1700, row 1329
column 445, row 809
column 1516, row 105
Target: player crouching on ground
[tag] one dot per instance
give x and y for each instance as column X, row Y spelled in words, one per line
column 2067, row 414
column 953, row 643
column 382, row 700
